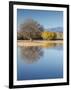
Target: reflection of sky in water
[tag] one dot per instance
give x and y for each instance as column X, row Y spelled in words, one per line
column 48, row 66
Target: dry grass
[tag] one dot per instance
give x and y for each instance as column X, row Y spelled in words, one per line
column 38, row 42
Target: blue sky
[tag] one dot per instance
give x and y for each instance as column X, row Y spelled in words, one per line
column 48, row 19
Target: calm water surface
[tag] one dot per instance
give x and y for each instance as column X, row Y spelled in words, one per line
column 40, row 62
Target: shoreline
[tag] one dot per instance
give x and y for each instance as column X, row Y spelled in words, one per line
column 38, row 42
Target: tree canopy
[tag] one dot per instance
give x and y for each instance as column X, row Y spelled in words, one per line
column 48, row 35
column 30, row 29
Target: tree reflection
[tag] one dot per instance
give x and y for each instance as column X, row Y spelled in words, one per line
column 31, row 54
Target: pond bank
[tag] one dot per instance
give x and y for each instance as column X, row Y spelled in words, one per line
column 38, row 42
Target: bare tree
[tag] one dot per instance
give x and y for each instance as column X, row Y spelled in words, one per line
column 31, row 29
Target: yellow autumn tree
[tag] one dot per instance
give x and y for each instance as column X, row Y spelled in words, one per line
column 48, row 35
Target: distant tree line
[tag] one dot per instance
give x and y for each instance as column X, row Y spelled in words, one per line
column 32, row 30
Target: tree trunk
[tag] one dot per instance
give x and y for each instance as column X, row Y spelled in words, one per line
column 30, row 39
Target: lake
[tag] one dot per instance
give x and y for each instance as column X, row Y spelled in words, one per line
column 36, row 62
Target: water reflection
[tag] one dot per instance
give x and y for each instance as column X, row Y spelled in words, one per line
column 52, row 45
column 40, row 62
column 31, row 54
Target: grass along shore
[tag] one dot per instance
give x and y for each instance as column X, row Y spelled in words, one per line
column 38, row 42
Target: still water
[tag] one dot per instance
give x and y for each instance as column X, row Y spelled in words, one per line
column 40, row 62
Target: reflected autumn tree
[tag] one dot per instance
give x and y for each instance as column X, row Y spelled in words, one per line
column 31, row 54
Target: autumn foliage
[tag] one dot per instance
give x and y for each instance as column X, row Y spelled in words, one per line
column 48, row 35
column 32, row 30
